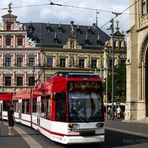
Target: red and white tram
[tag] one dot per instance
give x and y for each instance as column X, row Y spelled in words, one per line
column 67, row 108
column 5, row 101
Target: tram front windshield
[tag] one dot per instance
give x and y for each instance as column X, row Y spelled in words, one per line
column 85, row 107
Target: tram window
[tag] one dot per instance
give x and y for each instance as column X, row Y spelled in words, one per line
column 27, row 106
column 15, row 106
column 60, row 107
column 43, row 104
column 47, row 106
column 59, row 96
column 23, row 106
column 34, row 105
column 5, row 105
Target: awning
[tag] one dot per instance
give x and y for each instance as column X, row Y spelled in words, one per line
column 25, row 94
column 6, row 96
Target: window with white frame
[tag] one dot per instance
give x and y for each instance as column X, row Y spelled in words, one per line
column 31, row 61
column 19, row 61
column 7, row 61
column 49, row 61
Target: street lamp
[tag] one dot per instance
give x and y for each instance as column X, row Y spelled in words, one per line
column 112, row 28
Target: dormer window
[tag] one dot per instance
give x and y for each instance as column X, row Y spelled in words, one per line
column 78, row 30
column 48, row 27
column 114, row 44
column 90, row 30
column 8, row 40
column 87, row 42
column 20, row 41
column 120, row 44
column 60, row 29
column 8, row 25
column 56, row 40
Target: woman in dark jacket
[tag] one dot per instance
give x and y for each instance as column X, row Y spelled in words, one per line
column 11, row 121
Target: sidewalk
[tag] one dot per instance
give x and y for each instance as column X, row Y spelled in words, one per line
column 129, row 127
column 21, row 138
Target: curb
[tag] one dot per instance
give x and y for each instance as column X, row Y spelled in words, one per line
column 127, row 132
column 136, row 122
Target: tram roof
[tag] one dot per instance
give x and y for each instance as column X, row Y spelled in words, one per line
column 76, row 74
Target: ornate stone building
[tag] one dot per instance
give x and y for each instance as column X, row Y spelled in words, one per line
column 137, row 62
column 32, row 52
column 18, row 54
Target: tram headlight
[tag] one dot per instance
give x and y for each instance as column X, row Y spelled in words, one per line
column 99, row 125
column 73, row 126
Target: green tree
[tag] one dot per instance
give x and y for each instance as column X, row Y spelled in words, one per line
column 119, row 83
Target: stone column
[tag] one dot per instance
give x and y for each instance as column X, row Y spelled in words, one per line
column 25, row 79
column 14, row 78
column 14, row 41
column 2, row 62
column 38, row 59
column 2, row 41
column 14, row 59
column 25, row 60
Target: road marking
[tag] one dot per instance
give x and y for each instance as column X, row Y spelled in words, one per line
column 127, row 132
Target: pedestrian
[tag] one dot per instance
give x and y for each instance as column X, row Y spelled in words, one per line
column 118, row 112
column 11, row 120
column 109, row 113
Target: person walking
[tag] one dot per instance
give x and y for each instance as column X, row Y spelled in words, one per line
column 118, row 112
column 109, row 111
column 11, row 120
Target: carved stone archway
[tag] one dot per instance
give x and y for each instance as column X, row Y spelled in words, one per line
column 144, row 59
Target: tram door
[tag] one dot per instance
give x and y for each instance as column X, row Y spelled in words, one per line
column 20, row 108
column 38, row 110
column 1, row 110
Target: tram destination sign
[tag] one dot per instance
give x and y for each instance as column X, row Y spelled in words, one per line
column 83, row 86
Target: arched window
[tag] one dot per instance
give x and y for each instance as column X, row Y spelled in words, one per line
column 144, row 7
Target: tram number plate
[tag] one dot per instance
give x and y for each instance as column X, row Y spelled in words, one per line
column 87, row 133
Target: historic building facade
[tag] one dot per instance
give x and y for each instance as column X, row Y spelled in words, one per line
column 18, row 54
column 137, row 62
column 31, row 52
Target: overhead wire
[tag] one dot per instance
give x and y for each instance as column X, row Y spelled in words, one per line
column 78, row 7
column 57, row 4
column 117, row 14
column 86, row 8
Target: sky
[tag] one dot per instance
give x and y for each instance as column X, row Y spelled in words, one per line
column 64, row 15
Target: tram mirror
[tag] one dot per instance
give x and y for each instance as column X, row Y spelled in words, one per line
column 59, row 96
